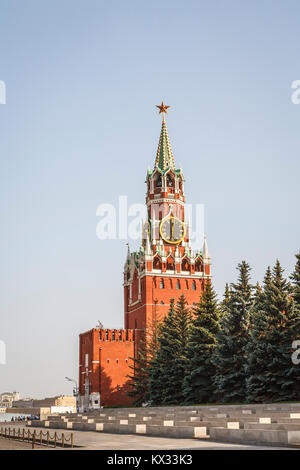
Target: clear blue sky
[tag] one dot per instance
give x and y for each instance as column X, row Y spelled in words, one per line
column 80, row 127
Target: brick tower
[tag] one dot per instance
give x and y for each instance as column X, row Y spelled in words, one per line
column 164, row 267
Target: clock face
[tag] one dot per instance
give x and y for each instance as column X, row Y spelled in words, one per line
column 172, row 230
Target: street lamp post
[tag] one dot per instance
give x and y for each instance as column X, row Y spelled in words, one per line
column 75, row 390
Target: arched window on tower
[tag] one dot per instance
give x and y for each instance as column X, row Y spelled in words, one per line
column 170, row 182
column 178, row 284
column 159, row 182
column 157, row 263
column 194, row 285
column 198, row 266
column 162, row 284
column 170, row 264
column 185, row 265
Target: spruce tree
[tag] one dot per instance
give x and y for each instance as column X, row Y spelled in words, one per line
column 198, row 385
column 276, row 323
column 226, row 298
column 255, row 363
column 159, row 365
column 296, row 282
column 170, row 365
column 229, row 357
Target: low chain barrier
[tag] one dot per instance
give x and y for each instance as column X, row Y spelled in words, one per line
column 38, row 437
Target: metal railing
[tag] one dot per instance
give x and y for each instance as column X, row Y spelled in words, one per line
column 38, row 437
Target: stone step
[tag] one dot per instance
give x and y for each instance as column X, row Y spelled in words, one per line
column 255, row 436
column 287, row 420
column 167, row 423
column 273, row 426
column 149, row 430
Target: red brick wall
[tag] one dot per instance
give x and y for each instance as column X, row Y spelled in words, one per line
column 108, row 366
column 142, row 312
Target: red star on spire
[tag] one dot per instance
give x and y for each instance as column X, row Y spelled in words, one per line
column 162, row 107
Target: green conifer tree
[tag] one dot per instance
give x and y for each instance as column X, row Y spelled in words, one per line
column 159, row 365
column 198, row 386
column 296, row 281
column 255, row 354
column 229, row 357
column 226, row 299
column 170, row 365
column 272, row 376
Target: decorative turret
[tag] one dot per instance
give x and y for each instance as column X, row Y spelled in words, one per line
column 205, row 254
column 127, row 262
column 148, row 250
column 164, row 180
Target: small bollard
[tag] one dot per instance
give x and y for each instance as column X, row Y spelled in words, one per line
column 33, row 439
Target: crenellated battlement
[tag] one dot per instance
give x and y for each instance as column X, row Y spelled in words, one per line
column 120, row 335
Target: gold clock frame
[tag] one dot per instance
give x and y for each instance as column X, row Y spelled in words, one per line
column 169, row 241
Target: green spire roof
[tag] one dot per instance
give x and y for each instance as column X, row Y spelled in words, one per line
column 164, row 156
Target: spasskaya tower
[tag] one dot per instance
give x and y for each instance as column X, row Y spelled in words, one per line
column 165, row 265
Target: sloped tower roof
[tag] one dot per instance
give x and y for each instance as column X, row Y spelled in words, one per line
column 164, row 156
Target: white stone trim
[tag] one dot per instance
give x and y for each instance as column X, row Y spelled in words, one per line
column 140, row 429
column 151, row 305
column 200, row 431
column 165, row 200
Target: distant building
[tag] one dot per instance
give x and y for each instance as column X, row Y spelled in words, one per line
column 58, row 401
column 24, row 403
column 7, row 398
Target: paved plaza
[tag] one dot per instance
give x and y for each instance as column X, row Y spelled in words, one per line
column 103, row 441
